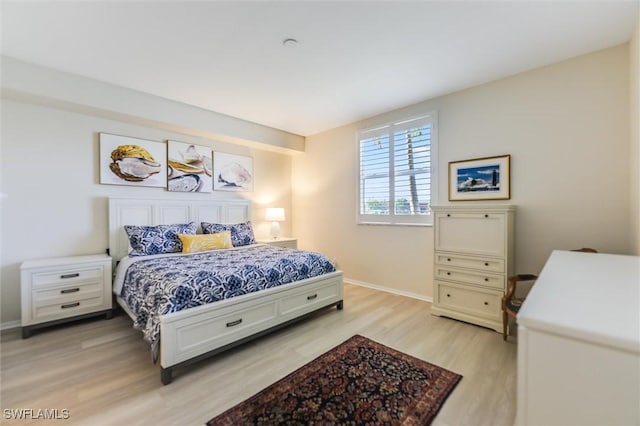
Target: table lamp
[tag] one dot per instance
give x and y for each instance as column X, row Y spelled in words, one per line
column 275, row 215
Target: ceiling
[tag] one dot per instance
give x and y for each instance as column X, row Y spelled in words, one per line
column 353, row 60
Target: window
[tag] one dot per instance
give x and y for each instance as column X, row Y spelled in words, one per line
column 396, row 172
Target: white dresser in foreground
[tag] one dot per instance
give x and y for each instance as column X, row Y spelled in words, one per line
column 61, row 289
column 473, row 256
column 579, row 342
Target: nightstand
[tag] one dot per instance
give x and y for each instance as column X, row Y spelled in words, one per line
column 286, row 242
column 63, row 289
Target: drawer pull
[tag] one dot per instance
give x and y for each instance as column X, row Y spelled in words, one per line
column 486, row 215
column 448, row 295
column 486, row 263
column 313, row 296
column 448, row 259
column 448, row 215
column 70, row 290
column 70, row 305
column 232, row 323
column 76, row 275
column 486, row 279
column 486, row 303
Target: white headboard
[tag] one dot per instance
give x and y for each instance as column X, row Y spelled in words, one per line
column 136, row 211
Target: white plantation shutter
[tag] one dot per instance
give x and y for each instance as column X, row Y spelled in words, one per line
column 396, row 172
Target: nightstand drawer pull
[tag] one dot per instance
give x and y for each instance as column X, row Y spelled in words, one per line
column 76, row 275
column 313, row 296
column 70, row 290
column 70, row 305
column 232, row 323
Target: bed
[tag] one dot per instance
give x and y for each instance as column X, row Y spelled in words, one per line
column 198, row 330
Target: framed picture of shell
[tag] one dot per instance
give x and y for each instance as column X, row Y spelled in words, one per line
column 189, row 168
column 131, row 161
column 232, row 172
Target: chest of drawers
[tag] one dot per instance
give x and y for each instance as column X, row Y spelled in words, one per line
column 61, row 289
column 473, row 256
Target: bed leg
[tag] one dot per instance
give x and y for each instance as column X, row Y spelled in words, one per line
column 165, row 375
column 340, row 305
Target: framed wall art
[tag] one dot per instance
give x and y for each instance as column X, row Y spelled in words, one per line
column 232, row 172
column 131, row 161
column 190, row 167
column 480, row 179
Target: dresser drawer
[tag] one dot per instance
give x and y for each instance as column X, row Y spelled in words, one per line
column 471, row 277
column 479, row 263
column 66, row 276
column 470, row 300
column 479, row 233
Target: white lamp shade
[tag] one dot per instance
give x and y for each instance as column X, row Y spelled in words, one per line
column 275, row 214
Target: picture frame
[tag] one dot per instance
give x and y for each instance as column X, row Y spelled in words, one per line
column 189, row 167
column 232, row 172
column 485, row 178
column 132, row 161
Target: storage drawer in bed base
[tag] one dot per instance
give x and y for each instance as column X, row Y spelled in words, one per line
column 166, row 373
column 200, row 332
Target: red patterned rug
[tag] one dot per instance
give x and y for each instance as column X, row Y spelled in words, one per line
column 358, row 382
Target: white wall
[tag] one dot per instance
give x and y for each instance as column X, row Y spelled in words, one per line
column 566, row 128
column 54, row 204
column 634, row 138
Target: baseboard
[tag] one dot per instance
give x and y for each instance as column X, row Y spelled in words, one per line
column 389, row 290
column 16, row 324
column 9, row 325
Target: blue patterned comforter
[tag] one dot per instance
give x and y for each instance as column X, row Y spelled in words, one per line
column 169, row 283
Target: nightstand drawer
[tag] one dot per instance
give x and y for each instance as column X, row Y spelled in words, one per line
column 286, row 242
column 65, row 276
column 67, row 293
column 48, row 312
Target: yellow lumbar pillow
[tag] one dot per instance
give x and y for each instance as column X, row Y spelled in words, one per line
column 202, row 242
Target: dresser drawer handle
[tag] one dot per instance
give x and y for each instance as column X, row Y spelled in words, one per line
column 448, row 273
column 313, row 296
column 486, row 263
column 486, row 279
column 486, row 215
column 76, row 275
column 448, row 295
column 448, row 215
column 232, row 323
column 486, row 303
column 448, row 260
column 70, row 305
column 70, row 290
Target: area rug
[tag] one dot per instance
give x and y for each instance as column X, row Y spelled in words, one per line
column 358, row 382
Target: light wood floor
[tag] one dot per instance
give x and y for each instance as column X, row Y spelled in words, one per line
column 101, row 370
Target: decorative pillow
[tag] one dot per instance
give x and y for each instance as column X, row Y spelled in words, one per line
column 202, row 242
column 146, row 240
column 241, row 233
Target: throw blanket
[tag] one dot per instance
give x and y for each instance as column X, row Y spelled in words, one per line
column 157, row 285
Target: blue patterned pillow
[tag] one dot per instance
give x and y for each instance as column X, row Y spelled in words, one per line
column 146, row 240
column 241, row 233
